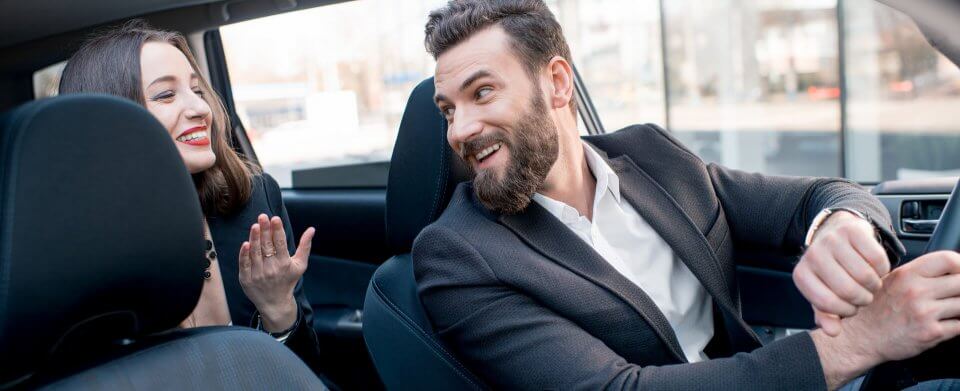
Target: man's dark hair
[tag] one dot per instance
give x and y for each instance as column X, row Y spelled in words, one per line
column 535, row 34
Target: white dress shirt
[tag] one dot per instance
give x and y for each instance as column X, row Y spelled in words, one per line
column 625, row 240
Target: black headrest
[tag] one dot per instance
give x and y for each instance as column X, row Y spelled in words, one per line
column 101, row 234
column 423, row 170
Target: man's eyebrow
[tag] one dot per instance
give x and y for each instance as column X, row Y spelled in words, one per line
column 474, row 77
column 466, row 83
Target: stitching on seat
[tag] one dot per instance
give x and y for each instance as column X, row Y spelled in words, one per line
column 420, row 334
column 441, row 180
column 439, row 351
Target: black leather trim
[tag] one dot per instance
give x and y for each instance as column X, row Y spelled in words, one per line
column 394, row 329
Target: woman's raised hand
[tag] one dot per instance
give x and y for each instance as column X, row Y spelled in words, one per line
column 268, row 274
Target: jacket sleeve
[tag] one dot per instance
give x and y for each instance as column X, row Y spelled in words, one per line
column 303, row 339
column 774, row 212
column 513, row 342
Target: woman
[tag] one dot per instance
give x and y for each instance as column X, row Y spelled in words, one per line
column 253, row 275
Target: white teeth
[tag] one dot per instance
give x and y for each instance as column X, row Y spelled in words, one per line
column 192, row 136
column 487, row 151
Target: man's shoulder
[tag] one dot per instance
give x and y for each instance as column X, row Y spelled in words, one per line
column 646, row 138
column 462, row 214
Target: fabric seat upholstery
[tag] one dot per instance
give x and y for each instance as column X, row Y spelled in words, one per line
column 101, row 255
column 423, row 173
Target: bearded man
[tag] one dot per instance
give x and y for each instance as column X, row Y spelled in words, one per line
column 607, row 262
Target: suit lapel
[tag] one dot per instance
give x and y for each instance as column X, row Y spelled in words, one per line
column 666, row 217
column 546, row 234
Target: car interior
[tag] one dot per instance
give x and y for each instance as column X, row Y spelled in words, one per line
column 102, row 247
column 122, row 274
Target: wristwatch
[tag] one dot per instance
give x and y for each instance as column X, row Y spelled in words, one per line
column 822, row 217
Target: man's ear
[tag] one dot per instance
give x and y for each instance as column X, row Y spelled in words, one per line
column 560, row 90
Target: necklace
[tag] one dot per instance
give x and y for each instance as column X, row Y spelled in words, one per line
column 211, row 256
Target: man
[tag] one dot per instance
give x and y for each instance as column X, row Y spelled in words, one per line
column 606, row 263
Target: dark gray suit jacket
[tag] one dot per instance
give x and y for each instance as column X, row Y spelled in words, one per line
column 528, row 305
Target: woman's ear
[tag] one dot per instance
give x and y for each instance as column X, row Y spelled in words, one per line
column 561, row 82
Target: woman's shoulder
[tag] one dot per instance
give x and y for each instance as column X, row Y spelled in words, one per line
column 263, row 182
column 265, row 188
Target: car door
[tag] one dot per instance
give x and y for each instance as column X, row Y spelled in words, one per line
column 316, row 97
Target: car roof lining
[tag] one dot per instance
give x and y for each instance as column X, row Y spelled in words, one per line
column 55, row 29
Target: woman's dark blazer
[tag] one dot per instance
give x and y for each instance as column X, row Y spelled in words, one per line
column 229, row 232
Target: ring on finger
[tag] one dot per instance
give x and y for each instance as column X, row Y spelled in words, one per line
column 272, row 253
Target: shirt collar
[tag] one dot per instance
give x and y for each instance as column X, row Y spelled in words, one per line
column 607, row 180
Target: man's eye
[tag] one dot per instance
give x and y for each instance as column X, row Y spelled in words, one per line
column 484, row 92
column 448, row 112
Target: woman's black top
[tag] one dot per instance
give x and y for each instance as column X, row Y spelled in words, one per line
column 228, row 233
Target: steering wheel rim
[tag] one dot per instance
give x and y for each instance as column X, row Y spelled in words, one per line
column 933, row 363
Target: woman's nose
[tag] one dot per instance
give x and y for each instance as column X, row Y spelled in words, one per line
column 197, row 107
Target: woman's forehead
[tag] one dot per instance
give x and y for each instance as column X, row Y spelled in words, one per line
column 161, row 59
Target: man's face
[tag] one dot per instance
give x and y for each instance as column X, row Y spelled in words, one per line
column 497, row 119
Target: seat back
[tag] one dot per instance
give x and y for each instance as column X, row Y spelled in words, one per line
column 423, row 174
column 101, row 254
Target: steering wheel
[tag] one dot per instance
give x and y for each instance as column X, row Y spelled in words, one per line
column 941, row 361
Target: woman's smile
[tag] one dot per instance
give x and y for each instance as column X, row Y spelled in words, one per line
column 197, row 135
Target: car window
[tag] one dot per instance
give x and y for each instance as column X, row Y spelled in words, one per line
column 327, row 86
column 902, row 99
column 616, row 47
column 761, row 85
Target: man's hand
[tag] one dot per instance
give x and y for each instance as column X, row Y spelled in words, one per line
column 917, row 308
column 841, row 270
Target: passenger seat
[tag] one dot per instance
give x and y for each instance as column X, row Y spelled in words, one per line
column 101, row 257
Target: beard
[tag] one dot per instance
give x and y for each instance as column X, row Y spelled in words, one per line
column 533, row 150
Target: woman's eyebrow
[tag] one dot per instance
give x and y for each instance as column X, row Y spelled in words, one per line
column 162, row 79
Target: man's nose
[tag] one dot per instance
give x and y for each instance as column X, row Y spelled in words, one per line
column 464, row 129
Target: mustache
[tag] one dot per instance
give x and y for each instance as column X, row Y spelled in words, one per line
column 477, row 144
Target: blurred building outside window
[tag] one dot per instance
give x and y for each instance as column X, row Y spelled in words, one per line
column 758, row 85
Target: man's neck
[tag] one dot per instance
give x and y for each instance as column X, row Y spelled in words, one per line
column 570, row 180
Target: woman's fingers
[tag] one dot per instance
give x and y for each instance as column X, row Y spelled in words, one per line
column 279, row 236
column 245, row 265
column 266, row 237
column 256, row 252
column 306, row 242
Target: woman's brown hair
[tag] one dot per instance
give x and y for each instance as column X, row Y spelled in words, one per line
column 110, row 63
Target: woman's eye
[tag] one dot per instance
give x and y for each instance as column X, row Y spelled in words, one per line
column 199, row 92
column 163, row 95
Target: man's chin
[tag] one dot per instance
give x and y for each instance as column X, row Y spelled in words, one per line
column 495, row 196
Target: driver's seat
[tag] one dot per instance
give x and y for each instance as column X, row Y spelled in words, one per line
column 423, row 173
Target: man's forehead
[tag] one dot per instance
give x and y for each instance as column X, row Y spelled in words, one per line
column 487, row 51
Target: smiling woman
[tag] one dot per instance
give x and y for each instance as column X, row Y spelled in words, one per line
column 253, row 269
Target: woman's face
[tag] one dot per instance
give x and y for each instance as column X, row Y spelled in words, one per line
column 171, row 90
